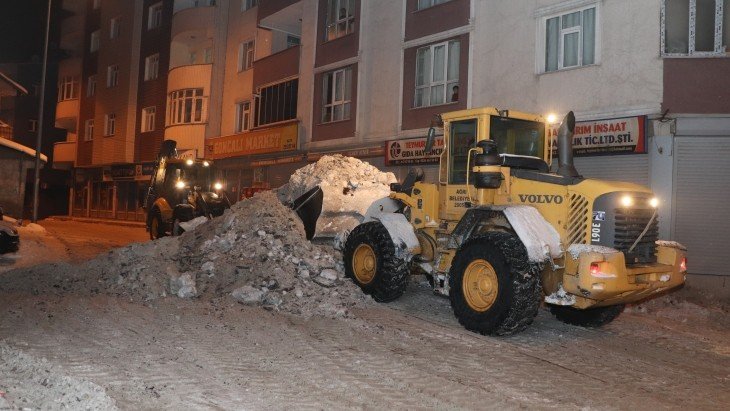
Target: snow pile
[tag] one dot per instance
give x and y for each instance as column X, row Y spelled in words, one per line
column 349, row 185
column 30, row 382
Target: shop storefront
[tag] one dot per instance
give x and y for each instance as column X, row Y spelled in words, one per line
column 112, row 192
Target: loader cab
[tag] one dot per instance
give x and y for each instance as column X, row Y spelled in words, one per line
column 520, row 139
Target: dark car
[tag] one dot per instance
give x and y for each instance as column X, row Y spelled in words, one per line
column 9, row 239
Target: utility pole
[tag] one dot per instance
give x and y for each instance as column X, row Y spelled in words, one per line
column 37, row 180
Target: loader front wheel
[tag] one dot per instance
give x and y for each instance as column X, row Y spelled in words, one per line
column 590, row 318
column 157, row 226
column 494, row 290
column 371, row 262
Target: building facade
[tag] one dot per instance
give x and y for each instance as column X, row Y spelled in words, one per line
column 266, row 86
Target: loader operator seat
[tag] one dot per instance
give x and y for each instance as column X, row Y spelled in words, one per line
column 415, row 174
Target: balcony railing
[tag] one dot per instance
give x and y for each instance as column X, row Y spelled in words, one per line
column 188, row 4
column 64, row 153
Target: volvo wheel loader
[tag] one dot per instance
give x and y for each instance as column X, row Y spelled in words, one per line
column 499, row 233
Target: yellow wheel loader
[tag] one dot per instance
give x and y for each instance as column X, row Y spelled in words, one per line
column 500, row 233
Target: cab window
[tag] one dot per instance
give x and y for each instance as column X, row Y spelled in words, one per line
column 521, row 137
column 463, row 137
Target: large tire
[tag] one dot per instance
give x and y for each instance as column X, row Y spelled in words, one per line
column 157, row 226
column 502, row 293
column 381, row 272
column 591, row 318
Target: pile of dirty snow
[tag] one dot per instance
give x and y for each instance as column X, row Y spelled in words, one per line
column 349, row 186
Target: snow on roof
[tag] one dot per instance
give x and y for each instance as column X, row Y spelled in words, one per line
column 23, row 149
column 13, row 83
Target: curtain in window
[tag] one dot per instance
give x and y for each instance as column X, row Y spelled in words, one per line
column 423, row 75
column 705, row 26
column 589, row 36
column 677, row 26
column 551, row 44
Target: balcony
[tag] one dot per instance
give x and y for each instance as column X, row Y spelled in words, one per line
column 67, row 112
column 194, row 19
column 190, row 76
column 271, row 7
column 188, row 137
column 64, row 154
column 191, row 4
column 70, row 67
column 279, row 66
column 191, row 48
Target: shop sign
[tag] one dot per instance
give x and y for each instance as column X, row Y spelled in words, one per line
column 605, row 137
column 412, row 151
column 122, row 171
column 145, row 169
column 278, row 160
column 270, row 140
column 356, row 152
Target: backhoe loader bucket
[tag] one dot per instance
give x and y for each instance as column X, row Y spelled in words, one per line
column 308, row 207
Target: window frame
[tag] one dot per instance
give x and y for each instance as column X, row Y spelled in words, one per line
column 91, row 85
column 692, row 30
column 431, row 3
column 154, row 16
column 264, row 115
column 246, row 55
column 429, row 82
column 95, row 42
column 110, row 124
column 149, row 117
column 242, row 121
column 68, row 88
column 348, row 20
column 89, row 129
column 560, row 12
column 115, row 27
column 329, row 95
column 177, row 102
column 112, row 75
column 248, row 4
column 152, row 62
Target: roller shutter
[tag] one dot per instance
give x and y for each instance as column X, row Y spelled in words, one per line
column 701, row 200
column 633, row 168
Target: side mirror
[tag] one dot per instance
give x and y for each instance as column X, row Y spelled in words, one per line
column 430, row 139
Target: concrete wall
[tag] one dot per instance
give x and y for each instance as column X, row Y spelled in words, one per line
column 13, row 170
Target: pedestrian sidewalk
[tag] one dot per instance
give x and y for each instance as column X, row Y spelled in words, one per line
column 122, row 223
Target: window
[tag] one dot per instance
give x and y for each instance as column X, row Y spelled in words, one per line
column 336, row 95
column 424, row 4
column 151, row 67
column 68, row 88
column 248, row 4
column 246, row 53
column 276, row 103
column 96, row 4
column 32, row 125
column 437, row 74
column 89, row 129
column 340, row 18
column 292, row 41
column 95, row 41
column 114, row 28
column 110, row 124
column 520, row 137
column 463, row 137
column 570, row 39
column 148, row 119
column 208, row 55
column 112, row 76
column 695, row 27
column 187, row 106
column 154, row 16
column 243, row 116
column 91, row 86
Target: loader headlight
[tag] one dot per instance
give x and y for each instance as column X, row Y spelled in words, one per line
column 180, row 184
column 654, row 202
column 190, row 162
column 627, row 201
column 206, row 164
column 218, row 186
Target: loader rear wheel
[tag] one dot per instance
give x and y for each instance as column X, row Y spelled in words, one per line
column 371, row 262
column 157, row 226
column 591, row 318
column 494, row 290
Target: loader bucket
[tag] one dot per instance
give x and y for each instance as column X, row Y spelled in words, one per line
column 308, row 207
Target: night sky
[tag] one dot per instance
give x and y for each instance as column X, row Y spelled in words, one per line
column 22, row 27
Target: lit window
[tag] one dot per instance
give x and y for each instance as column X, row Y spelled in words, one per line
column 437, row 74
column 424, row 4
column 248, row 4
column 112, row 76
column 695, row 28
column 110, row 124
column 68, row 88
column 91, row 86
column 187, row 106
column 89, row 130
column 151, row 67
column 95, row 41
column 570, row 39
column 154, row 16
column 336, row 95
column 277, row 103
column 246, row 53
column 148, row 119
column 114, row 27
column 243, row 116
column 340, row 18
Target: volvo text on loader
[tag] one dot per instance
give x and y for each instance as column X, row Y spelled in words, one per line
column 499, row 233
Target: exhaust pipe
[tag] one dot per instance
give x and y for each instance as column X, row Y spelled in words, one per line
column 566, row 168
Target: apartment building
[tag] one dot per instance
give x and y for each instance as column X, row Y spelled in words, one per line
column 266, row 86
